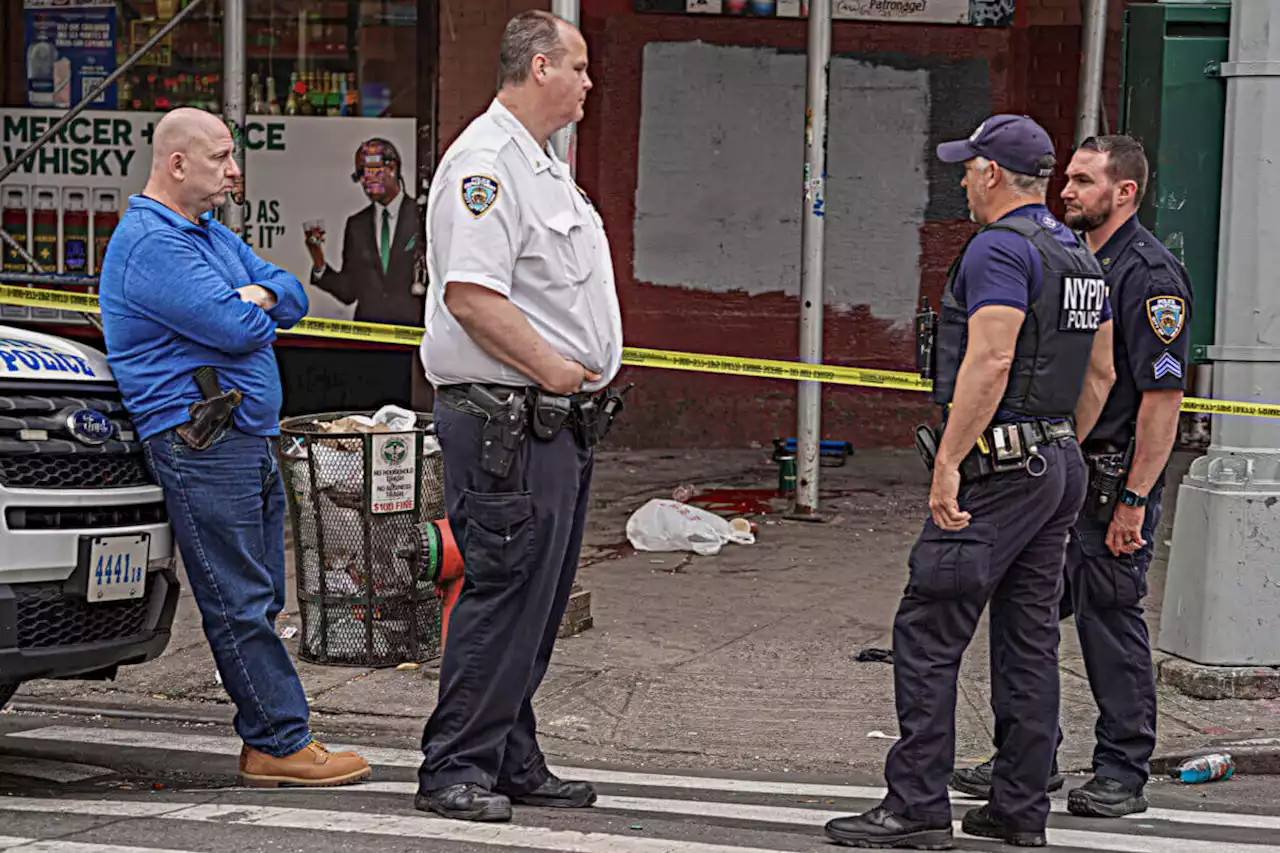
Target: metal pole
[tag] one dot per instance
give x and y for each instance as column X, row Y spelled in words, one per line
column 22, row 252
column 97, row 90
column 1093, row 57
column 1221, row 595
column 233, row 106
column 565, row 140
column 813, row 254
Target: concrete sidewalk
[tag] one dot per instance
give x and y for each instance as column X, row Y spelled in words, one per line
column 741, row 661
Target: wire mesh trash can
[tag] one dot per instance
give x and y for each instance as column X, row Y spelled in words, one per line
column 359, row 502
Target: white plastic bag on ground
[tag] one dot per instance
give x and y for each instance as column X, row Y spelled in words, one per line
column 666, row 525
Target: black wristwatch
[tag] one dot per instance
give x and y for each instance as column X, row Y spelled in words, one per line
column 1131, row 498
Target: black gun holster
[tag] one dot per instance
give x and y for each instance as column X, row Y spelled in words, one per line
column 211, row 416
column 1108, row 473
column 505, row 421
column 510, row 412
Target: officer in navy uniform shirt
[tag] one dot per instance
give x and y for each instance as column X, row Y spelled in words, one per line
column 1025, row 327
column 1108, row 555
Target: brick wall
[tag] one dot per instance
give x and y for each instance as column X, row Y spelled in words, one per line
column 1053, row 33
column 470, row 31
column 1033, row 68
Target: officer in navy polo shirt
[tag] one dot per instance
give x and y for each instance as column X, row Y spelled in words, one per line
column 1112, row 543
column 1021, row 363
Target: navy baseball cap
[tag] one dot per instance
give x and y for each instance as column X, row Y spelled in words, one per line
column 1017, row 143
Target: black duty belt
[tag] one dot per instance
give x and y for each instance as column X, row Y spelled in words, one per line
column 459, row 397
column 1097, row 447
column 510, row 412
column 1014, row 447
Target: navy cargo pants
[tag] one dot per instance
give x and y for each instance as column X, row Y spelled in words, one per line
column 1010, row 555
column 1105, row 593
column 519, row 537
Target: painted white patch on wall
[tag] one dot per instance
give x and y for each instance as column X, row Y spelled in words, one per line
column 721, row 175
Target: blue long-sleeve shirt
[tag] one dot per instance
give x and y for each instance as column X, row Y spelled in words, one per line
column 169, row 305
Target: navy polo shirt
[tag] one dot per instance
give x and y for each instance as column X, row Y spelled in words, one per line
column 1150, row 294
column 1003, row 268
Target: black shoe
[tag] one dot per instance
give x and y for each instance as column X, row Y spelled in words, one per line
column 1103, row 797
column 465, row 802
column 976, row 781
column 881, row 828
column 982, row 823
column 555, row 793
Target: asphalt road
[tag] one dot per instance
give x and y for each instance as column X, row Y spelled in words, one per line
column 77, row 785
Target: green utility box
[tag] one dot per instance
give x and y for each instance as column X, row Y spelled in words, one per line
column 1174, row 102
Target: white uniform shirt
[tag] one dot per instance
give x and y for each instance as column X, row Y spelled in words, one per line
column 507, row 215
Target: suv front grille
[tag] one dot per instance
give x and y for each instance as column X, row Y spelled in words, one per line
column 74, row 518
column 48, row 617
column 38, row 451
column 73, row 471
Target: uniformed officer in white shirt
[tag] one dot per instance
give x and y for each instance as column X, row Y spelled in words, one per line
column 521, row 344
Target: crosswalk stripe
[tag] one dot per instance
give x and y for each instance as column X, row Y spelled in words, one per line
column 366, row 823
column 230, row 746
column 52, row 771
column 213, row 744
column 542, row 838
column 822, row 813
column 30, row 845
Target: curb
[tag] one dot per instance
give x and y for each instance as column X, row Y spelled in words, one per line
column 1219, row 682
column 1259, row 757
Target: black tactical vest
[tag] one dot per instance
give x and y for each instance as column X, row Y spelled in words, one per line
column 1056, row 338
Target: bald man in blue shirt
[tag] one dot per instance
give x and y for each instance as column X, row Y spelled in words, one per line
column 180, row 291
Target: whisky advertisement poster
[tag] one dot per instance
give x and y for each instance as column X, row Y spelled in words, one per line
column 306, row 176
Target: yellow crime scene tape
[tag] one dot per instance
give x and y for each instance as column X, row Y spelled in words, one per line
column 764, row 368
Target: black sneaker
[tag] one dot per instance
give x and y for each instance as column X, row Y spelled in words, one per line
column 1103, row 797
column 555, row 793
column 976, row 781
column 465, row 802
column 881, row 829
column 982, row 823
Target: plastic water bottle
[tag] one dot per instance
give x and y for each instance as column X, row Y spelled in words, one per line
column 1206, row 768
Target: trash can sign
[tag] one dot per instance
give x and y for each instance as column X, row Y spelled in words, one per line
column 394, row 480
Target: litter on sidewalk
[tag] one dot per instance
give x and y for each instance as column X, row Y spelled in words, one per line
column 1205, row 768
column 667, row 525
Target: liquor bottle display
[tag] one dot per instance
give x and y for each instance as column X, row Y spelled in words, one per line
column 312, row 44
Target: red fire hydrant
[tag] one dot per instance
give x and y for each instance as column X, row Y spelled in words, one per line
column 443, row 565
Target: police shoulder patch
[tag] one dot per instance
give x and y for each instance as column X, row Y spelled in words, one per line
column 1167, row 315
column 479, row 192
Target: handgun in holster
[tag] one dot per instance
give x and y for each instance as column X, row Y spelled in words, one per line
column 1108, row 473
column 926, row 444
column 210, row 416
column 504, row 428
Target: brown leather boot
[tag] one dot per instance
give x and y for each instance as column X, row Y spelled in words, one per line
column 312, row 766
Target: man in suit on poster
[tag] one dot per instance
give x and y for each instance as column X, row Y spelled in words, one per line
column 378, row 247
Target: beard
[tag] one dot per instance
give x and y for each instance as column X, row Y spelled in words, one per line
column 1085, row 221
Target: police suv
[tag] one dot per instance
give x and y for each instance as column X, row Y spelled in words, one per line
column 87, row 578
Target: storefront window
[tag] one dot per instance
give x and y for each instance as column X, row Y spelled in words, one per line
column 303, row 57
column 331, row 192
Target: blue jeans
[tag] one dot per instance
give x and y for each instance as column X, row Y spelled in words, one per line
column 227, row 505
